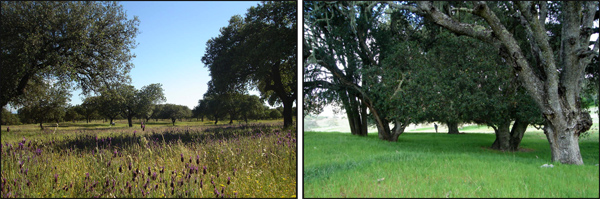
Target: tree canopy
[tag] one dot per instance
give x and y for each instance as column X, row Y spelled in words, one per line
column 258, row 51
column 366, row 55
column 84, row 42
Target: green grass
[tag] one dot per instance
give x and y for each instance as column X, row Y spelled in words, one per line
column 259, row 160
column 442, row 165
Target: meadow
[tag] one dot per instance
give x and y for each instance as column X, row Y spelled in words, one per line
column 441, row 166
column 192, row 159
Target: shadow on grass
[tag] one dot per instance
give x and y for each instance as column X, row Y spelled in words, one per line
column 89, row 141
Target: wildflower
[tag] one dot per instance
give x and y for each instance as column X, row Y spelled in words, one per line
column 182, row 157
column 130, row 166
column 200, row 183
column 162, row 169
column 148, row 171
column 108, row 165
column 153, row 175
column 26, row 170
column 55, row 178
column 197, row 159
column 120, row 169
column 217, row 192
column 204, row 170
column 228, row 180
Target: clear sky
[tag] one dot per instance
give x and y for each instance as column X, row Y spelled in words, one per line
column 172, row 42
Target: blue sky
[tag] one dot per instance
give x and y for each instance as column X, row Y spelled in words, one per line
column 172, row 42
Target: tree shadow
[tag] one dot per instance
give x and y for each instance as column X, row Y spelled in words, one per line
column 89, row 141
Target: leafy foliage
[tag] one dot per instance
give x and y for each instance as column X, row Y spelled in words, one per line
column 84, row 42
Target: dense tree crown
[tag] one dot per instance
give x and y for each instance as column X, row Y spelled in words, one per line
column 84, row 42
column 259, row 52
column 397, row 60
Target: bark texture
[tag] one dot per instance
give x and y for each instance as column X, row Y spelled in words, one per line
column 556, row 93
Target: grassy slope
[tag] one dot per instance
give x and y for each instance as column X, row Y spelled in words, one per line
column 442, row 165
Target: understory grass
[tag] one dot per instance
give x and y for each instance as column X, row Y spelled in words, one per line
column 442, row 165
column 228, row 161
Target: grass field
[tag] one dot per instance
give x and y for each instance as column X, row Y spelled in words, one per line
column 442, row 165
column 188, row 160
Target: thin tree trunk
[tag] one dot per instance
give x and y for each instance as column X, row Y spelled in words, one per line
column 363, row 117
column 41, row 126
column 129, row 119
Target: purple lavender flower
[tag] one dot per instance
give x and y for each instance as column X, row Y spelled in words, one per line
column 87, row 176
column 55, row 178
column 26, row 170
column 228, row 180
column 204, row 170
column 197, row 159
column 217, row 192
column 153, row 175
column 182, row 157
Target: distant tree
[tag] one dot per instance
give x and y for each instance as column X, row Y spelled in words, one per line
column 108, row 103
column 86, row 42
column 89, row 108
column 157, row 111
column 249, row 106
column 258, row 51
column 199, row 110
column 9, row 118
column 215, row 106
column 174, row 112
column 274, row 114
column 134, row 102
column 45, row 102
column 71, row 113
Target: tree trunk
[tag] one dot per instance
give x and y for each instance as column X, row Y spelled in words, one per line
column 173, row 120
column 41, row 126
column 502, row 141
column 363, row 114
column 350, row 105
column 397, row 130
column 452, row 127
column 287, row 112
column 111, row 120
column 516, row 134
column 129, row 119
column 562, row 131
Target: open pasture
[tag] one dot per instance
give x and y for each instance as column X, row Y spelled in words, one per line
column 443, row 165
column 256, row 160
